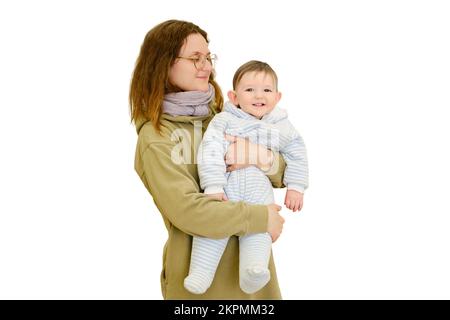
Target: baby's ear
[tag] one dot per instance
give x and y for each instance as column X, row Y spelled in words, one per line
column 278, row 96
column 233, row 97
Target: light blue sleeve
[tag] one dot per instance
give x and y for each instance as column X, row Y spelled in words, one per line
column 293, row 150
column 211, row 163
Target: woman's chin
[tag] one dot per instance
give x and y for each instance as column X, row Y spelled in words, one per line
column 201, row 88
column 202, row 85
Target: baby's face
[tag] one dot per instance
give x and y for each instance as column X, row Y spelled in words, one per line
column 256, row 94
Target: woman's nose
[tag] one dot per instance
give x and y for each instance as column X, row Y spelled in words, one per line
column 207, row 67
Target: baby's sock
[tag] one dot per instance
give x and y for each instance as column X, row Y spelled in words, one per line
column 198, row 281
column 253, row 278
column 205, row 257
column 254, row 254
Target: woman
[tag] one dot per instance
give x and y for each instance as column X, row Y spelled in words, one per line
column 173, row 96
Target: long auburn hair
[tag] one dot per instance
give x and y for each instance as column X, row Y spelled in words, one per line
column 150, row 79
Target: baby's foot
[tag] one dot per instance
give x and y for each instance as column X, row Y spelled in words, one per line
column 254, row 278
column 198, row 282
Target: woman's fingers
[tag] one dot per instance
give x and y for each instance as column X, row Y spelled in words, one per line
column 230, row 138
column 275, row 221
column 234, row 167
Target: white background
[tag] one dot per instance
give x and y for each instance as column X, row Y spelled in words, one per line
column 365, row 82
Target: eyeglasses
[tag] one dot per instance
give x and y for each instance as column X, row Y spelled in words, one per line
column 200, row 60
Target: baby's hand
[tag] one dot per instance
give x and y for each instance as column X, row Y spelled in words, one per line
column 218, row 196
column 294, row 200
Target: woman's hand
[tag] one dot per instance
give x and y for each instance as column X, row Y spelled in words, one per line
column 275, row 221
column 218, row 196
column 242, row 153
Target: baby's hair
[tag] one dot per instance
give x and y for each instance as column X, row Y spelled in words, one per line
column 254, row 66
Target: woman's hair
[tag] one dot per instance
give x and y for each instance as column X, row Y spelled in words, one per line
column 252, row 66
column 150, row 80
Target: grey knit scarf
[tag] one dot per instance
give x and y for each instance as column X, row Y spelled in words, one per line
column 188, row 103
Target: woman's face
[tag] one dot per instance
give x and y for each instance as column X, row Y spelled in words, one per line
column 183, row 73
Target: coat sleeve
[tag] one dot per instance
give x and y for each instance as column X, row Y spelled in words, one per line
column 211, row 163
column 177, row 195
column 294, row 152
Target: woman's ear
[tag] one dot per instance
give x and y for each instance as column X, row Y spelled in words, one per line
column 233, row 97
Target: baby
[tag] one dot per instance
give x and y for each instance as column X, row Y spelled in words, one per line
column 251, row 113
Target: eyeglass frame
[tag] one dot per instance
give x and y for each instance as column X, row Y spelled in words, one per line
column 212, row 59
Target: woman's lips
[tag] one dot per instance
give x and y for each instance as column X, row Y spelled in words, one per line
column 205, row 77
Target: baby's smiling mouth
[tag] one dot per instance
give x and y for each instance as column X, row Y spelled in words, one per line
column 259, row 104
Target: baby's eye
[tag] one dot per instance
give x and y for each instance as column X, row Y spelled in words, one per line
column 267, row 90
column 249, row 89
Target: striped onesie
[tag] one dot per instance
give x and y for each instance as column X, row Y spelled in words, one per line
column 250, row 185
